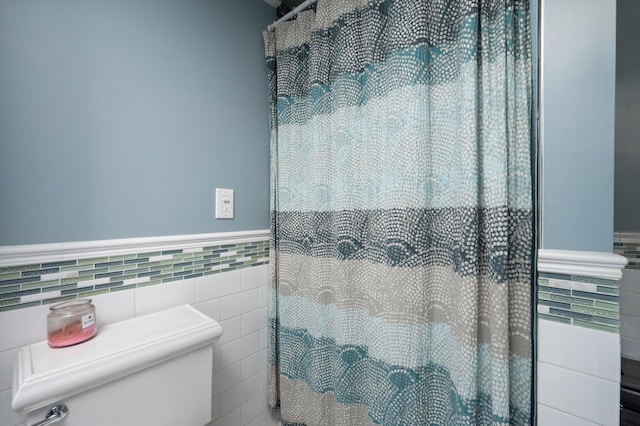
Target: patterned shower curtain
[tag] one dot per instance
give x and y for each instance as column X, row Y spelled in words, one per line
column 401, row 191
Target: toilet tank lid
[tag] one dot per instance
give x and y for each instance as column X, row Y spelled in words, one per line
column 43, row 375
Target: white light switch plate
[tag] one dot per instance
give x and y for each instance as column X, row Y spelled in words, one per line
column 224, row 203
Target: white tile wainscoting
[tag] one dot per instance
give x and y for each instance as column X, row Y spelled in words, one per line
column 236, row 299
column 628, row 244
column 578, row 380
column 630, row 313
column 578, row 375
column 578, row 368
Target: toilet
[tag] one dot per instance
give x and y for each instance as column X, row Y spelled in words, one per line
column 150, row 370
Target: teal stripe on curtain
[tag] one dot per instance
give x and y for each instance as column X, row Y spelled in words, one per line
column 401, row 213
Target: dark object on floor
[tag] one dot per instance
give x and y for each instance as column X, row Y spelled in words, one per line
column 630, row 374
column 629, row 418
column 630, row 393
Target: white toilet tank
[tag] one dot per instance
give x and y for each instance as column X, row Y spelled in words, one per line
column 149, row 370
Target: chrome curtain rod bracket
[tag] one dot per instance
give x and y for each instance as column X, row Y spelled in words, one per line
column 294, row 12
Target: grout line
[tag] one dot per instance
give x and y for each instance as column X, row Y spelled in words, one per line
column 576, row 371
column 567, row 413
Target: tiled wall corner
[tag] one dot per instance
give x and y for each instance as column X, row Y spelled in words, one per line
column 629, row 248
column 227, row 282
column 628, row 245
column 240, row 361
column 630, row 313
column 578, row 338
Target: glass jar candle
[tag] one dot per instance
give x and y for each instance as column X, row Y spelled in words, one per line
column 72, row 322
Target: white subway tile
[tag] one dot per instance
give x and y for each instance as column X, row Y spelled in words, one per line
column 548, row 416
column 227, row 378
column 268, row 419
column 579, row 394
column 580, row 349
column 254, row 422
column 635, row 322
column 163, row 296
column 216, row 357
column 630, row 326
column 255, row 364
column 7, row 359
column 23, row 326
column 265, row 401
column 626, row 326
column 239, row 303
column 629, row 303
column 254, row 277
column 264, row 296
column 264, row 380
column 218, row 285
column 252, row 408
column 114, row 307
column 8, row 417
column 231, row 329
column 215, row 407
column 264, row 338
column 630, row 281
column 630, row 348
column 231, row 419
column 254, row 321
column 238, row 349
column 239, row 394
column 210, row 308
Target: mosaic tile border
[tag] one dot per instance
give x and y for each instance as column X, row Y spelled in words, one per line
column 45, row 283
column 578, row 300
column 630, row 250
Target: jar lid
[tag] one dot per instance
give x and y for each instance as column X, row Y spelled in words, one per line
column 70, row 305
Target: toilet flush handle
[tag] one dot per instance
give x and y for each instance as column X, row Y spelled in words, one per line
column 56, row 414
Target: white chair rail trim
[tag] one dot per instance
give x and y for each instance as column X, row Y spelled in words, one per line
column 53, row 252
column 584, row 263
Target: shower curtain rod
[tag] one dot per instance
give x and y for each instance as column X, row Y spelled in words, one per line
column 291, row 14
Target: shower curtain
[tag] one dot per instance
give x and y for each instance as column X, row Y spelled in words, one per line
column 401, row 211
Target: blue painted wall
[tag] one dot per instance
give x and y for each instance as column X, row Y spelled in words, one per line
column 579, row 44
column 627, row 194
column 119, row 118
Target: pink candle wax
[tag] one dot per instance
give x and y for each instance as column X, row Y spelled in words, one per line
column 71, row 335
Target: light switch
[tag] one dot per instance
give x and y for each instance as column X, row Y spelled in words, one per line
column 224, row 203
